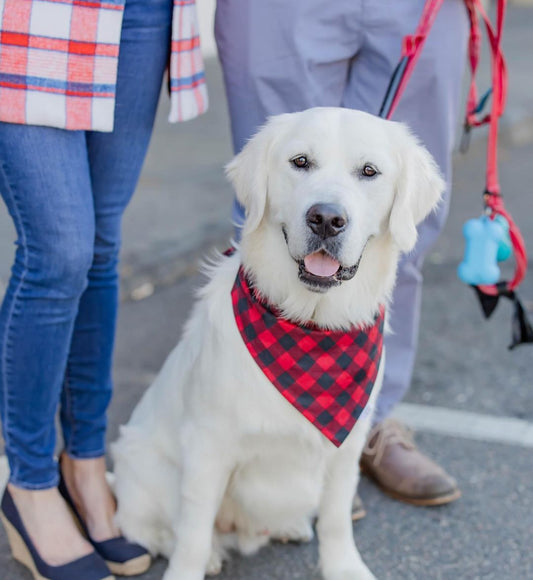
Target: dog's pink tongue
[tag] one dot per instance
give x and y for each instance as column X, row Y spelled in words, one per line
column 320, row 264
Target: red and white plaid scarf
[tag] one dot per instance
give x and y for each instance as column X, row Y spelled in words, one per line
column 58, row 62
column 327, row 375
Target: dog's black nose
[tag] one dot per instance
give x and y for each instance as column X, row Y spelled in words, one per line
column 326, row 219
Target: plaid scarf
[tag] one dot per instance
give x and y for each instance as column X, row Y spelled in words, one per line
column 327, row 375
column 59, row 63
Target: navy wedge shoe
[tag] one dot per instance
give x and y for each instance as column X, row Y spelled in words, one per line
column 123, row 557
column 90, row 567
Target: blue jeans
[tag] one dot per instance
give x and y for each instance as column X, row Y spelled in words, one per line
column 66, row 192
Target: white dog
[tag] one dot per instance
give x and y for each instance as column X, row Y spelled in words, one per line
column 214, row 456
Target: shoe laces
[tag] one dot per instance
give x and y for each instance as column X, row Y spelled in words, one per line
column 388, row 432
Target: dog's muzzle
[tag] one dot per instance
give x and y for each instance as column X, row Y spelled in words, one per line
column 319, row 269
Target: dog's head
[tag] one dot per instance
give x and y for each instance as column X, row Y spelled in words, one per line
column 321, row 186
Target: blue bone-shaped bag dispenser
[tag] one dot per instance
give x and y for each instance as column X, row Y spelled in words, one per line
column 483, row 240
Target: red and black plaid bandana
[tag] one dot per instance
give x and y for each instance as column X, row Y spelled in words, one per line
column 327, row 375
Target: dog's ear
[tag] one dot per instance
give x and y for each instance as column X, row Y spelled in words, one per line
column 248, row 172
column 418, row 189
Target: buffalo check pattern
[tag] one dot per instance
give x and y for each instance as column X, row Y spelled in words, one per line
column 59, row 61
column 327, row 375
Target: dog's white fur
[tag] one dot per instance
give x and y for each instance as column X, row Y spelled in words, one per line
column 213, row 455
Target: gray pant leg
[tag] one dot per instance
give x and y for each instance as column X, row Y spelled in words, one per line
column 281, row 56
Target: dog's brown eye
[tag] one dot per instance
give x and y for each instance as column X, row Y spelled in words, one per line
column 369, row 170
column 301, row 162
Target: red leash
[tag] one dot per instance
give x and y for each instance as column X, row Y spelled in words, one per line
column 492, row 196
column 493, row 201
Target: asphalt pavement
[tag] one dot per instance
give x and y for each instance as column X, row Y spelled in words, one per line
column 181, row 210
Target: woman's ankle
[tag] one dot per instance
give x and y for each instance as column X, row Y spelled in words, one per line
column 49, row 524
column 87, row 485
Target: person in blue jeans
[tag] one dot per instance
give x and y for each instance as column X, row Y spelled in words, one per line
column 66, row 191
column 281, row 56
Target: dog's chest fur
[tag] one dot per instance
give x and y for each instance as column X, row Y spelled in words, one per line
column 211, row 390
column 282, row 457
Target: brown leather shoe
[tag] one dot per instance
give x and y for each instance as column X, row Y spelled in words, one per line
column 392, row 460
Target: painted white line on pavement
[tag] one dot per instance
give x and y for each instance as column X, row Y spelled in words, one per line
column 462, row 424
column 466, row 425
